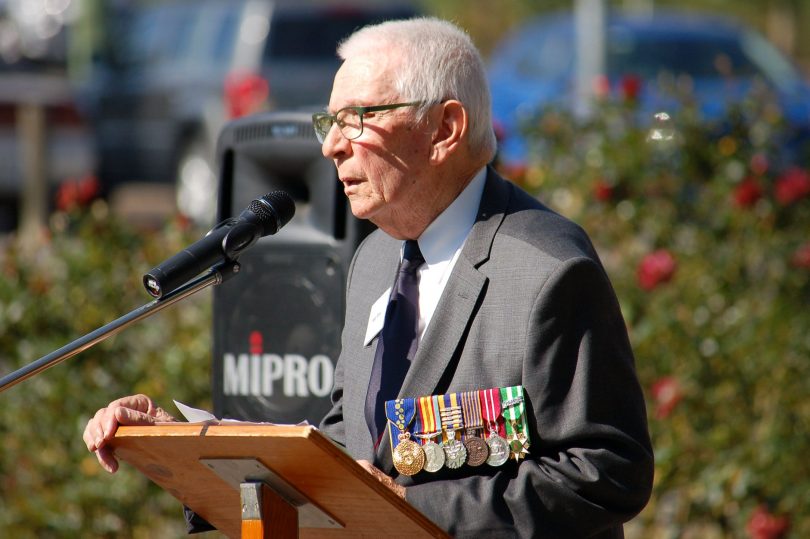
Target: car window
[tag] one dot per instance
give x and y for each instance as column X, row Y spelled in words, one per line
column 223, row 42
column 649, row 54
column 314, row 35
column 542, row 53
column 154, row 36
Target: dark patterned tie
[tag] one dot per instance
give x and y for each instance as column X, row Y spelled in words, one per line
column 396, row 345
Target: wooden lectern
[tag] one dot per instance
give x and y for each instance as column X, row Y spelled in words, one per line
column 252, row 480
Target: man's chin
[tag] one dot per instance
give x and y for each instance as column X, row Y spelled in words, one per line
column 362, row 210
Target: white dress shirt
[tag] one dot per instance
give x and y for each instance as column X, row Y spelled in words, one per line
column 441, row 244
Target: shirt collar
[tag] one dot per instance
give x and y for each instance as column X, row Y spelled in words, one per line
column 446, row 234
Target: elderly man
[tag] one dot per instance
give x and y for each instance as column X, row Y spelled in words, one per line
column 493, row 290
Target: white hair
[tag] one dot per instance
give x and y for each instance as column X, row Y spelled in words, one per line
column 438, row 61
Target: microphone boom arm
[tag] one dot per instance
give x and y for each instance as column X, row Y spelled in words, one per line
column 215, row 276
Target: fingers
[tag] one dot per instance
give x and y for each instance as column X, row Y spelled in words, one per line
column 145, row 405
column 95, row 437
column 107, row 459
column 130, row 410
column 139, row 402
column 94, row 430
column 128, row 416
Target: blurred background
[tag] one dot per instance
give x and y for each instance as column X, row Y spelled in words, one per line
column 676, row 133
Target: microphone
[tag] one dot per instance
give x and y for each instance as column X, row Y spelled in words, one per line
column 230, row 238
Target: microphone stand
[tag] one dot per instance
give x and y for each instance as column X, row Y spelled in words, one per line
column 216, row 275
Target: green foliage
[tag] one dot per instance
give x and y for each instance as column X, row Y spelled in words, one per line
column 86, row 274
column 705, row 236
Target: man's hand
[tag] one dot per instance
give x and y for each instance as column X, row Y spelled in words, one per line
column 399, row 490
column 132, row 410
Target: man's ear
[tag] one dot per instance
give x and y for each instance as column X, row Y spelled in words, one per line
column 451, row 130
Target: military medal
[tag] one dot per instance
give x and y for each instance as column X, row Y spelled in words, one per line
column 408, row 457
column 427, row 427
column 434, row 456
column 477, row 448
column 513, row 411
column 451, row 418
column 491, row 411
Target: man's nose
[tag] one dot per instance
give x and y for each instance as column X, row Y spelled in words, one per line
column 334, row 143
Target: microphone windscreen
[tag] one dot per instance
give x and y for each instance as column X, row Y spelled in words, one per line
column 273, row 210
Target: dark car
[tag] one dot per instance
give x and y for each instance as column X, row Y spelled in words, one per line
column 179, row 70
column 721, row 60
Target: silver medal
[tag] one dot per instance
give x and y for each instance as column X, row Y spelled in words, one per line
column 455, row 452
column 434, row 457
column 498, row 450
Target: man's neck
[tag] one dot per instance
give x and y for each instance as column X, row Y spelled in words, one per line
column 449, row 185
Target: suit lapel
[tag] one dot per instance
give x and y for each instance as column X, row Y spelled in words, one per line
column 373, row 275
column 456, row 307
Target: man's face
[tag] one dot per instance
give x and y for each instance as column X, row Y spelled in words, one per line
column 382, row 171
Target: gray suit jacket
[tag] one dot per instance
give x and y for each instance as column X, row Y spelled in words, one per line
column 528, row 303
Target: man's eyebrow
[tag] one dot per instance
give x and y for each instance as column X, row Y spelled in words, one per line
column 360, row 104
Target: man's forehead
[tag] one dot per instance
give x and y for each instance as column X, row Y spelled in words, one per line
column 363, row 80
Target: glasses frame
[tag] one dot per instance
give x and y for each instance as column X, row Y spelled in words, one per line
column 319, row 117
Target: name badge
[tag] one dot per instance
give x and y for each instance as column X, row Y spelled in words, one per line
column 376, row 317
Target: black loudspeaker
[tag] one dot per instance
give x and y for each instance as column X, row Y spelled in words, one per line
column 277, row 323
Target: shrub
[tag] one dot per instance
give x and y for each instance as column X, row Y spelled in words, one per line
column 703, row 228
column 84, row 275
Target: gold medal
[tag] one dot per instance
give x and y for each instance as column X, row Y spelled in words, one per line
column 407, row 455
column 409, row 459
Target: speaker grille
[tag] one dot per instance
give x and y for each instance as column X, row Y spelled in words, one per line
column 274, row 130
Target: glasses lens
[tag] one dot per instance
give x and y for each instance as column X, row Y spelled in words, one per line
column 350, row 123
column 321, row 122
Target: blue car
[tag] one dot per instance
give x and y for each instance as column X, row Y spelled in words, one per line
column 721, row 60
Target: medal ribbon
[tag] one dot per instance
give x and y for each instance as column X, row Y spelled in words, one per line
column 450, row 412
column 491, row 410
column 471, row 407
column 513, row 409
column 435, row 401
column 400, row 413
column 427, row 420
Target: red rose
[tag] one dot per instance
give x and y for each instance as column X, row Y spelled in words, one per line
column 77, row 193
column 602, row 191
column 667, row 394
column 67, row 196
column 765, row 525
column 759, row 163
column 630, row 87
column 655, row 268
column 792, row 186
column 747, row 193
column 801, row 258
column 89, row 188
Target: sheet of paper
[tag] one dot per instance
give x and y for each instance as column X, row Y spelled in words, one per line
column 195, row 415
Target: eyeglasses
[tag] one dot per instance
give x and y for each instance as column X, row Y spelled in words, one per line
column 349, row 119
